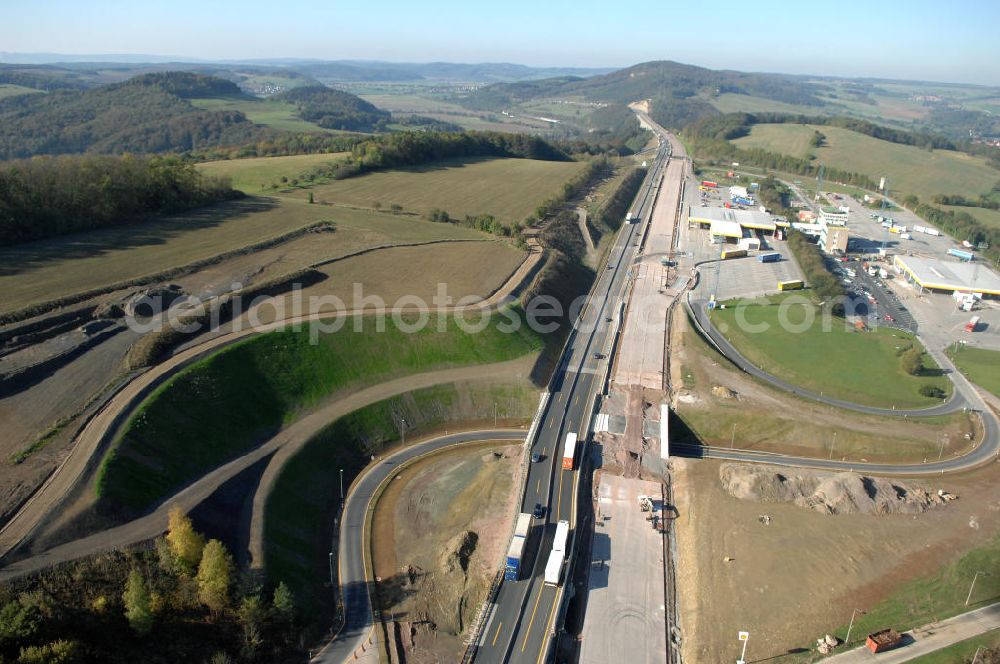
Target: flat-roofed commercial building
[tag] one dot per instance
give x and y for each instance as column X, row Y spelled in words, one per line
column 948, row 276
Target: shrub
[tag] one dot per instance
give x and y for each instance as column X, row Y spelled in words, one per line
column 932, row 391
column 913, row 361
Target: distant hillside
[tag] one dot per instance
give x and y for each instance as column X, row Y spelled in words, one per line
column 678, row 91
column 146, row 114
column 335, row 109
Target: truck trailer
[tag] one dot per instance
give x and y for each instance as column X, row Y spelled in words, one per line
column 562, row 535
column 515, row 552
column 553, row 568
column 772, row 257
column 972, row 324
column 733, row 253
column 961, row 253
column 795, row 284
column 569, row 451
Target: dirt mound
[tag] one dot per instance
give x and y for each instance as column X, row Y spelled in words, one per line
column 829, row 493
column 723, row 392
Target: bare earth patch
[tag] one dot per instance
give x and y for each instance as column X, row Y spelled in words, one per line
column 798, row 573
column 437, row 536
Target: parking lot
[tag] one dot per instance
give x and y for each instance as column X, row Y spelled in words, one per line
column 873, row 299
column 935, row 315
column 737, row 277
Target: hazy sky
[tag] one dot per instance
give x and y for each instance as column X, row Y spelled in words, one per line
column 953, row 40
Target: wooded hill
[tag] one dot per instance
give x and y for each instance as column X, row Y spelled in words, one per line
column 152, row 113
column 658, row 80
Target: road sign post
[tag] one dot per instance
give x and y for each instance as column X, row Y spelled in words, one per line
column 744, row 637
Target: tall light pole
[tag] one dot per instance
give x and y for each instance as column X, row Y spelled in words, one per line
column 851, row 624
column 330, row 558
column 494, row 414
column 341, row 487
column 402, row 431
column 944, row 441
column 732, row 437
column 833, row 444
column 971, row 586
column 975, row 657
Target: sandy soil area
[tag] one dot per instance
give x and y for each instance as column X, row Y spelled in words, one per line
column 800, row 576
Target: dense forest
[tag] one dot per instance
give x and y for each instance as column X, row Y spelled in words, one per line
column 145, row 114
column 335, row 109
column 44, row 197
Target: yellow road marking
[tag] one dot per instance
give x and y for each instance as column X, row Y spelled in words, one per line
column 497, row 634
column 531, row 621
column 548, row 622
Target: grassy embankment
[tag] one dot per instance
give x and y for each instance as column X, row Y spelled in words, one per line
column 979, row 365
column 963, row 651
column 226, row 404
column 908, row 168
column 935, row 597
column 770, row 420
column 862, row 367
column 298, row 516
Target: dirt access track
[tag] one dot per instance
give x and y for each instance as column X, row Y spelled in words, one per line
column 83, row 457
column 279, row 449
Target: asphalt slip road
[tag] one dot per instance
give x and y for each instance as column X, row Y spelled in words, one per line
column 524, row 609
column 352, row 555
column 964, row 396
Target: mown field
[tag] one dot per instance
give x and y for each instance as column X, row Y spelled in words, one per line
column 985, row 216
column 226, row 404
column 268, row 112
column 909, row 169
column 509, row 189
column 840, row 363
column 307, row 488
column 255, row 176
column 40, row 271
column 11, row 90
column 979, row 365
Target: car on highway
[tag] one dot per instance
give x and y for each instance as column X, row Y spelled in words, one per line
column 535, row 457
column 539, row 511
column 598, row 356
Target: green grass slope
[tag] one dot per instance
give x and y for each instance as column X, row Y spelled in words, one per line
column 226, row 404
column 862, row 367
column 909, row 169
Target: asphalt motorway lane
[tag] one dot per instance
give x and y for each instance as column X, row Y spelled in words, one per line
column 524, row 609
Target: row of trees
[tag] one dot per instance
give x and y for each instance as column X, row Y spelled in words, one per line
column 50, row 196
column 960, row 225
column 611, row 213
column 813, row 264
column 183, row 599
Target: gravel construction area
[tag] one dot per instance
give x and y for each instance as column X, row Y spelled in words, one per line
column 827, row 493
